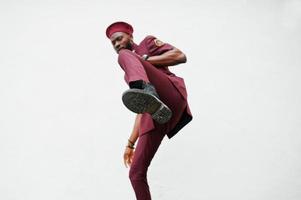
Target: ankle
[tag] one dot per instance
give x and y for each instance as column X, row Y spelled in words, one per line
column 139, row 84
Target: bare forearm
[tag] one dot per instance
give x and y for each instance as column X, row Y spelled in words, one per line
column 169, row 58
column 129, row 150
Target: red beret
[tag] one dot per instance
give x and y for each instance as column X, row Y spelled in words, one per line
column 119, row 27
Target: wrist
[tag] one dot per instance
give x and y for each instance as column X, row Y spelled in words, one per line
column 130, row 144
column 130, row 147
column 145, row 57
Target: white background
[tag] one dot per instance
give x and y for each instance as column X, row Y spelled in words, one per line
column 63, row 127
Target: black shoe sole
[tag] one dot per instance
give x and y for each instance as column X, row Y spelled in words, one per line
column 138, row 101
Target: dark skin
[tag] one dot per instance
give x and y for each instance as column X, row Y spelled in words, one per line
column 172, row 57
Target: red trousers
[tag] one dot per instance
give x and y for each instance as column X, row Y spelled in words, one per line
column 137, row 69
column 146, row 148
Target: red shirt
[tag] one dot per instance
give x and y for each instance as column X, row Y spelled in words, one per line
column 151, row 46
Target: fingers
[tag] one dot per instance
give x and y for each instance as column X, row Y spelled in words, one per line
column 128, row 158
column 129, row 162
column 125, row 160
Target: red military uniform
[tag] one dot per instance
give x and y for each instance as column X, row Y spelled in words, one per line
column 180, row 108
column 171, row 90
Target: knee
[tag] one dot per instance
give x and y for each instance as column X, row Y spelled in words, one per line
column 136, row 174
column 125, row 54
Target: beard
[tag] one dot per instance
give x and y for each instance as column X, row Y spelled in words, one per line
column 129, row 46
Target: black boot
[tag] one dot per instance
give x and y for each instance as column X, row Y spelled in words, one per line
column 143, row 98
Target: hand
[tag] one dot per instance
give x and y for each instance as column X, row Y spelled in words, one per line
column 128, row 156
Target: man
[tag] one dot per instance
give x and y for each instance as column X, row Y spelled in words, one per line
column 157, row 96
